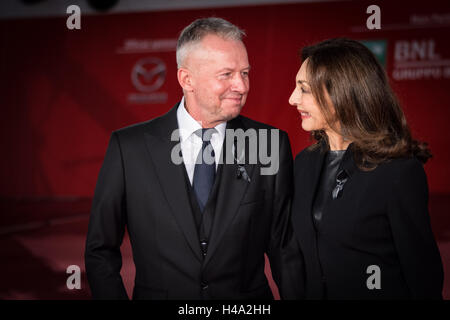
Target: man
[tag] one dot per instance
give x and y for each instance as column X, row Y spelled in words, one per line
column 198, row 227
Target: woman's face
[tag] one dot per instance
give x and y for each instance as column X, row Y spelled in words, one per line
column 306, row 104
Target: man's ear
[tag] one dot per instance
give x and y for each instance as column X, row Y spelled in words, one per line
column 185, row 79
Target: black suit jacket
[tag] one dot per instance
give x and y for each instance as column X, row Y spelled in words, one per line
column 380, row 219
column 141, row 188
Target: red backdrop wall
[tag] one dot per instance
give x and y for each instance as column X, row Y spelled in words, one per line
column 64, row 91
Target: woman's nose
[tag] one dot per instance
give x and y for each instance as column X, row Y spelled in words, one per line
column 294, row 99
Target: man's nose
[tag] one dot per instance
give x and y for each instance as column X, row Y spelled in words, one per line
column 240, row 84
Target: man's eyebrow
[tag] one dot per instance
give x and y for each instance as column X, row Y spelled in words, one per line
column 230, row 69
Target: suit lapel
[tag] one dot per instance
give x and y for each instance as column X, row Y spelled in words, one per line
column 171, row 175
column 230, row 193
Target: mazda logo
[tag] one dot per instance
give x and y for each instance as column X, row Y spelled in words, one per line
column 148, row 74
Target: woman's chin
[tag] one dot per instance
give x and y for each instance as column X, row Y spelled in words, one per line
column 306, row 127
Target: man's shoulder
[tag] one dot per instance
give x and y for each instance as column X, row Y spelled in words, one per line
column 148, row 125
column 135, row 127
column 133, row 131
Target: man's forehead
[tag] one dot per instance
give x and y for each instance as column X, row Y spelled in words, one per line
column 221, row 56
column 217, row 38
column 215, row 43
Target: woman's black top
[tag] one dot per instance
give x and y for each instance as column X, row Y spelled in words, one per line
column 327, row 182
column 375, row 239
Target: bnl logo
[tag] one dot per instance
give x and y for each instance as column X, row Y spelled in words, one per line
column 414, row 50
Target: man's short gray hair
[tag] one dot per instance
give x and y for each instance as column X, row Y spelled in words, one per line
column 198, row 29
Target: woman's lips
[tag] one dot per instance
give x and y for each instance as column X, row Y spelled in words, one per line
column 304, row 114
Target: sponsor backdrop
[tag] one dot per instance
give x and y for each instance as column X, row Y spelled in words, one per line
column 63, row 91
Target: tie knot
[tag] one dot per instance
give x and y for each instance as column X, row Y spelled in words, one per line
column 205, row 133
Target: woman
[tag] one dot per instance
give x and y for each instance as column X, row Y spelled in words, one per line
column 360, row 206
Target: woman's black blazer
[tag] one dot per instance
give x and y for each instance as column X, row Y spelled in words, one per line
column 380, row 219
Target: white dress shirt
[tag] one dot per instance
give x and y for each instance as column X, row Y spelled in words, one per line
column 191, row 143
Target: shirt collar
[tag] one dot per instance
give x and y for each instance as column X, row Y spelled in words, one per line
column 189, row 125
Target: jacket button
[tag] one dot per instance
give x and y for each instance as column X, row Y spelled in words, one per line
column 204, row 285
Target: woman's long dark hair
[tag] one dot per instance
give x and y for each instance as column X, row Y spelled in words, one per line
column 345, row 76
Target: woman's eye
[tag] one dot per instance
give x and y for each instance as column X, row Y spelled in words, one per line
column 304, row 90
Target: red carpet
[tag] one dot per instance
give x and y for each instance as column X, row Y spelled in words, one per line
column 39, row 240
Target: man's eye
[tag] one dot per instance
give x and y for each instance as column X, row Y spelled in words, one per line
column 227, row 74
column 245, row 74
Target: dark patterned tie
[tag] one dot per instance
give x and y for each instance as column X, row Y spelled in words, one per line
column 205, row 168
